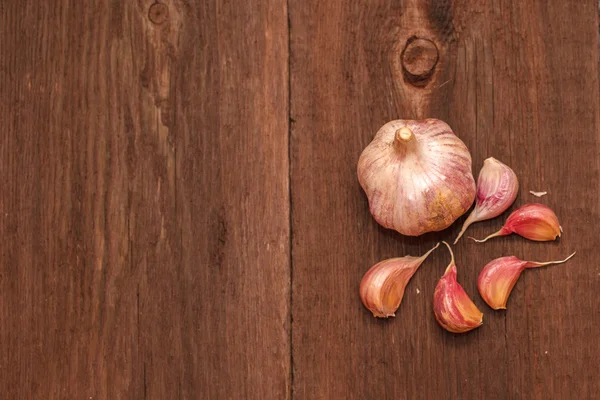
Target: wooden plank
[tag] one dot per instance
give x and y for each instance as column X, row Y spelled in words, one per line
column 516, row 81
column 232, row 164
column 144, row 207
column 68, row 293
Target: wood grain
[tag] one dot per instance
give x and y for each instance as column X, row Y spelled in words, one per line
column 516, row 81
column 144, row 204
column 181, row 218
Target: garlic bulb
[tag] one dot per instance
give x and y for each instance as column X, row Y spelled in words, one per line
column 382, row 287
column 417, row 176
column 497, row 187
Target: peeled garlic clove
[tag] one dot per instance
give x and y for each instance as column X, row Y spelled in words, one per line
column 497, row 188
column 453, row 308
column 499, row 276
column 382, row 287
column 417, row 176
column 532, row 221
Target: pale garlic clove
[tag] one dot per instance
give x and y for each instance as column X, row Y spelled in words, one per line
column 417, row 176
column 453, row 308
column 498, row 278
column 532, row 221
column 497, row 188
column 382, row 287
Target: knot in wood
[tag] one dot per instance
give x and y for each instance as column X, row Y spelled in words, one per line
column 158, row 13
column 419, row 58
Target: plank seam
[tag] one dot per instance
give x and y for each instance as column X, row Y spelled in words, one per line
column 290, row 221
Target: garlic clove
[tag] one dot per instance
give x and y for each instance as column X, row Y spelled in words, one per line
column 417, row 176
column 532, row 221
column 497, row 188
column 453, row 308
column 497, row 280
column 382, row 287
column 499, row 276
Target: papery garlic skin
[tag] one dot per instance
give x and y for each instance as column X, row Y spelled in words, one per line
column 417, row 176
column 382, row 287
column 498, row 278
column 452, row 307
column 538, row 194
column 532, row 221
column 497, row 188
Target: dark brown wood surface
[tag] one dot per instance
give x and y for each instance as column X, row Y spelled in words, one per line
column 181, row 218
column 144, row 200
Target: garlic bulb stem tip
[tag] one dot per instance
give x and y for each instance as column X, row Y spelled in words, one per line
column 404, row 134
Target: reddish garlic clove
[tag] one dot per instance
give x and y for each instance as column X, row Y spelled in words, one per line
column 497, row 188
column 499, row 276
column 382, row 287
column 531, row 221
column 453, row 308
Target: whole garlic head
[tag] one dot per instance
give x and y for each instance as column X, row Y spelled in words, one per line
column 417, row 176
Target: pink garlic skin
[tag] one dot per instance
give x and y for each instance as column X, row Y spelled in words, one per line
column 499, row 276
column 420, row 186
column 453, row 308
column 497, row 188
column 382, row 286
column 532, row 221
column 497, row 280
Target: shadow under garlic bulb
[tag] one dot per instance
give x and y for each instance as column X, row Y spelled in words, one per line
column 417, row 176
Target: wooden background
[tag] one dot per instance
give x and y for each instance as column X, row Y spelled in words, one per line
column 180, row 216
